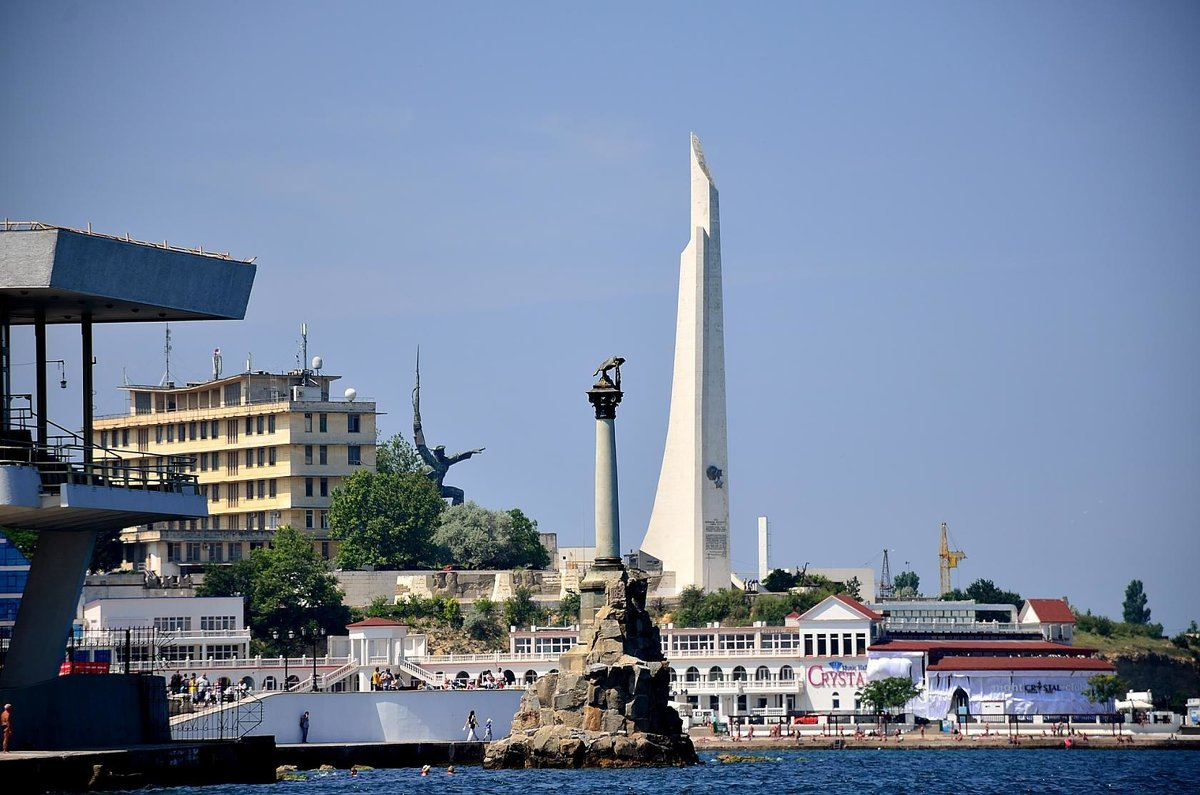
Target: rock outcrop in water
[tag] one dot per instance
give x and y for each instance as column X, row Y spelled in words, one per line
column 608, row 705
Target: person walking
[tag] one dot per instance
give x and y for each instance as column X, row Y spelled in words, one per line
column 6, row 725
column 472, row 722
column 487, row 730
column 304, row 727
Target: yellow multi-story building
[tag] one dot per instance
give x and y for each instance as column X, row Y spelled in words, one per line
column 268, row 450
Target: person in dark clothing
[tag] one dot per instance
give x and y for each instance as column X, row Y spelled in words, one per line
column 304, row 727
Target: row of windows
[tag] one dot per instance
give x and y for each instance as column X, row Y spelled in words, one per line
column 212, row 552
column 738, row 674
column 846, row 644
column 353, row 454
column 554, row 644
column 169, row 433
column 353, row 423
column 178, row 654
column 311, row 517
column 216, row 623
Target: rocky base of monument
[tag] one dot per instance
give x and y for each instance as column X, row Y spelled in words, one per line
column 562, row 746
column 609, row 705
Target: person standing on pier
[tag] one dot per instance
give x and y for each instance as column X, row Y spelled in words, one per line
column 304, row 727
column 6, row 725
column 472, row 722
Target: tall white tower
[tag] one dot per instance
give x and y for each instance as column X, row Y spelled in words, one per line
column 689, row 526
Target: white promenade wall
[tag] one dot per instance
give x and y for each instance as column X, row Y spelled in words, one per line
column 399, row 716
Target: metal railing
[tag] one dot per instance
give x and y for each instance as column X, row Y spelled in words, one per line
column 61, row 458
column 38, row 226
column 218, row 722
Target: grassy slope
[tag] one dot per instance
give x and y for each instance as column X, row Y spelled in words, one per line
column 1131, row 646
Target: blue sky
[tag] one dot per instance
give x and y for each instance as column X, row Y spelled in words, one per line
column 960, row 243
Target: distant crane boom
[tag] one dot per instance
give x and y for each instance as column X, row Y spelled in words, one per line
column 948, row 559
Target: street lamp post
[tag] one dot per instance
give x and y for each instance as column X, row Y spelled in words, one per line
column 317, row 635
column 291, row 635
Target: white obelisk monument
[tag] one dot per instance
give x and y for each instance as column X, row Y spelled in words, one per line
column 689, row 525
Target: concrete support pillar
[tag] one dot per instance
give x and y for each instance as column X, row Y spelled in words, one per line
column 85, row 330
column 48, row 606
column 39, row 358
column 5, row 369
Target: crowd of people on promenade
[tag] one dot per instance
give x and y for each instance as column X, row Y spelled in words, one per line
column 385, row 680
column 198, row 690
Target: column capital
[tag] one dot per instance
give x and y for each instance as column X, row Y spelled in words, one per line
column 605, row 398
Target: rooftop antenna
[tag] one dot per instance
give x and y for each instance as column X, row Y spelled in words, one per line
column 166, row 379
column 304, row 346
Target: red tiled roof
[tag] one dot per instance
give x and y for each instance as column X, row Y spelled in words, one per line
column 963, row 646
column 858, row 606
column 1022, row 664
column 1052, row 611
column 376, row 622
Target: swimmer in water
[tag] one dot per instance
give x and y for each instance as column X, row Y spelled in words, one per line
column 425, row 770
column 450, row 770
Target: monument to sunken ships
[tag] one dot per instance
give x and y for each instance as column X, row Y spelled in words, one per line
column 608, row 705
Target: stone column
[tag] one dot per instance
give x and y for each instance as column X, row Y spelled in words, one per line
column 605, row 396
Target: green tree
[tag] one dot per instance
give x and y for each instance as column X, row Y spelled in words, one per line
column 778, row 581
column 235, row 579
column 690, row 612
column 771, row 608
column 397, row 457
column 482, row 623
column 385, row 520
column 293, row 590
column 527, row 542
column 1134, row 608
column 727, row 605
column 521, row 611
column 472, row 537
column 854, row 588
column 906, row 585
column 1103, row 689
column 888, row 694
column 568, row 608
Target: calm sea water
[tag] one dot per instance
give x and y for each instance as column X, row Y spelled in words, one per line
column 948, row 772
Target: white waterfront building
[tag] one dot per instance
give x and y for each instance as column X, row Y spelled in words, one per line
column 810, row 670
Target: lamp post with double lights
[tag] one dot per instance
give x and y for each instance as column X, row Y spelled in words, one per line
column 287, row 641
column 315, row 636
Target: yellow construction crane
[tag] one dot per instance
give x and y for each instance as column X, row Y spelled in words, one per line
column 948, row 559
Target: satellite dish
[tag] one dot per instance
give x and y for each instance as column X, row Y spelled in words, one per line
column 351, row 393
column 316, row 363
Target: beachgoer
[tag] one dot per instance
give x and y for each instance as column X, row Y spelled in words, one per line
column 487, row 730
column 304, row 727
column 450, row 770
column 425, row 770
column 469, row 728
column 6, row 725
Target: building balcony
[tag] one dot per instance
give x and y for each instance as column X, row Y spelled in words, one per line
column 67, row 485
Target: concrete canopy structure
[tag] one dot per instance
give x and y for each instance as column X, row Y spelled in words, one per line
column 56, row 481
column 689, row 525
